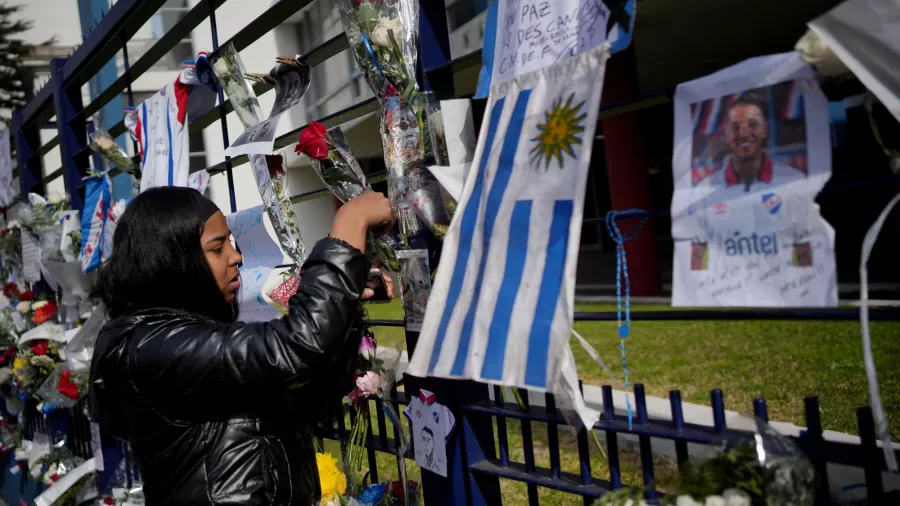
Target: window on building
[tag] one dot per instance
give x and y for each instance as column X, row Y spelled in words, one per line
column 161, row 23
column 463, row 11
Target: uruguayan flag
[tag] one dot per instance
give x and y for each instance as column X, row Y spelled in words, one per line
column 502, row 305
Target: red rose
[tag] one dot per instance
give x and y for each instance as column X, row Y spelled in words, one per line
column 40, row 348
column 10, row 289
column 26, row 296
column 275, row 164
column 54, row 477
column 68, row 387
column 312, row 141
column 4, row 231
column 11, row 352
column 397, row 490
column 109, row 500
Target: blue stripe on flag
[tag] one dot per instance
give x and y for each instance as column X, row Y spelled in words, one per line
column 467, row 229
column 171, row 161
column 516, row 251
column 144, row 135
column 505, row 167
column 551, row 286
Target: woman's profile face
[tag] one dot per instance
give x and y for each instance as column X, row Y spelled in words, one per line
column 221, row 255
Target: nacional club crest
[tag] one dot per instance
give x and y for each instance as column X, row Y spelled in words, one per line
column 772, row 202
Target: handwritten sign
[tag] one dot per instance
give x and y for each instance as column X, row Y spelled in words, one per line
column 7, row 189
column 532, row 34
column 249, row 230
column 261, row 255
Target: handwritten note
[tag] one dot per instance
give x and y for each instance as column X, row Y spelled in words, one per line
column 249, row 230
column 261, row 255
column 532, row 34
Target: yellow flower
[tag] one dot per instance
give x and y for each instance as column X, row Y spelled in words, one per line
column 19, row 363
column 331, row 478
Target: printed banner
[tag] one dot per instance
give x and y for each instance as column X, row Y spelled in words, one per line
column 526, row 35
column 291, row 83
column 752, row 151
column 415, row 276
column 261, row 255
column 502, row 305
column 97, row 199
column 160, row 125
column 7, row 186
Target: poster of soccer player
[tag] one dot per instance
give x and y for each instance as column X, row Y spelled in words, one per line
column 752, row 151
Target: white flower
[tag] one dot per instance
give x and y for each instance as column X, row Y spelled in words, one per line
column 736, row 497
column 14, row 224
column 40, row 407
column 23, row 307
column 41, row 361
column 21, row 454
column 380, row 36
column 715, row 500
column 39, row 304
column 686, row 500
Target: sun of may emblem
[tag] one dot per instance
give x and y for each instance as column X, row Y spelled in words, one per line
column 561, row 129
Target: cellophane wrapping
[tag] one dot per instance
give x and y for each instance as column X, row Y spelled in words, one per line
column 383, row 37
column 104, row 144
column 342, row 175
column 273, row 191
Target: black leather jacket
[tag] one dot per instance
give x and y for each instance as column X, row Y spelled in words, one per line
column 203, row 404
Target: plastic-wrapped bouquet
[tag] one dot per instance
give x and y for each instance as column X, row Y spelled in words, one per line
column 337, row 167
column 63, row 388
column 34, row 362
column 768, row 470
column 383, row 37
column 336, row 491
column 109, row 150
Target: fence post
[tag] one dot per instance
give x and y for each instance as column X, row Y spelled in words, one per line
column 31, row 171
column 72, row 133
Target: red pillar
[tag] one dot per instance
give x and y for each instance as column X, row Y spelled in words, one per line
column 627, row 172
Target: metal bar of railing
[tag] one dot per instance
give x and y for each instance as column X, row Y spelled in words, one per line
column 214, row 31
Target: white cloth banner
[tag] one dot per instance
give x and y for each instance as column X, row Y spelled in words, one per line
column 502, row 305
column 7, row 186
column 752, row 151
column 863, row 34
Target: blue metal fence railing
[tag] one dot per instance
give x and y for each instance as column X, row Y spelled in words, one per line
column 478, row 451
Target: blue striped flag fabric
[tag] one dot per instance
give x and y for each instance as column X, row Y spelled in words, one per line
column 502, row 304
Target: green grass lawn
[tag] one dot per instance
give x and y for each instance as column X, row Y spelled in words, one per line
column 781, row 361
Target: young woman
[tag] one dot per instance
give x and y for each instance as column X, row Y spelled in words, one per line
column 202, row 398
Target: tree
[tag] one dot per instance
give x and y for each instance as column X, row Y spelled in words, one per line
column 12, row 88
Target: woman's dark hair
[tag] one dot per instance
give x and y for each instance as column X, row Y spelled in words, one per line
column 157, row 260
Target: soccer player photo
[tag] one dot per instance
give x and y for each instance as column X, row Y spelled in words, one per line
column 752, row 151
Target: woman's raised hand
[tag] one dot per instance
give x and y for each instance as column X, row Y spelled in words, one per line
column 354, row 218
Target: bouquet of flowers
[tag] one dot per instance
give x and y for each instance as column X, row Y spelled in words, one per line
column 383, row 36
column 109, row 150
column 333, row 483
column 63, row 388
column 34, row 362
column 44, row 211
column 769, row 472
column 338, row 169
